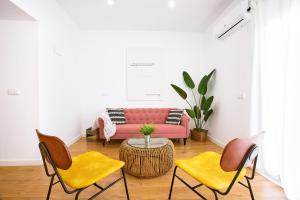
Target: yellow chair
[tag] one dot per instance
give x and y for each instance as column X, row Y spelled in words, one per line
column 220, row 172
column 77, row 173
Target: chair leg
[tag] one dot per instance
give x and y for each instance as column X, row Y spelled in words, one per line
column 172, row 183
column 103, row 144
column 77, row 194
column 216, row 195
column 184, row 141
column 98, row 186
column 125, row 183
column 97, row 137
column 50, row 187
column 250, row 189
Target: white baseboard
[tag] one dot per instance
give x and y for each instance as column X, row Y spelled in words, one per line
column 32, row 162
column 268, row 177
column 216, row 141
column 74, row 140
column 20, row 162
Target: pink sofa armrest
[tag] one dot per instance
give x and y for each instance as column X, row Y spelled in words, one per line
column 185, row 122
column 101, row 128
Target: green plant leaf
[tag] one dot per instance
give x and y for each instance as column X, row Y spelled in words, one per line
column 211, row 73
column 190, row 113
column 147, row 129
column 202, row 88
column 188, row 80
column 197, row 112
column 208, row 102
column 179, row 91
column 203, row 100
column 208, row 114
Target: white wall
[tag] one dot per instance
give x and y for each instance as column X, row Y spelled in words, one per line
column 18, row 69
column 89, row 66
column 232, row 57
column 50, row 84
column 58, row 70
column 103, row 67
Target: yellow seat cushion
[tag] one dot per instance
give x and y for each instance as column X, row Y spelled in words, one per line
column 88, row 168
column 207, row 170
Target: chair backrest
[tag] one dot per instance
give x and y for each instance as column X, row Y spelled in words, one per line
column 57, row 149
column 236, row 153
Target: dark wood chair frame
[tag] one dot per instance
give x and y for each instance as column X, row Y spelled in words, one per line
column 46, row 157
column 251, row 155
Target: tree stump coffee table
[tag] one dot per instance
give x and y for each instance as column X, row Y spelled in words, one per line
column 147, row 161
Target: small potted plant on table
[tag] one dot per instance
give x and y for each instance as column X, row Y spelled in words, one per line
column 147, row 130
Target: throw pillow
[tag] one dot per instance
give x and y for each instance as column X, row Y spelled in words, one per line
column 174, row 116
column 116, row 115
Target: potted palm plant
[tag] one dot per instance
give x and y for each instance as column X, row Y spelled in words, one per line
column 147, row 130
column 199, row 109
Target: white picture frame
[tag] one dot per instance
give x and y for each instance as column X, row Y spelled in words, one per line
column 144, row 74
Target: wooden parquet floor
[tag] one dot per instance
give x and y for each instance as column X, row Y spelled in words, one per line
column 30, row 182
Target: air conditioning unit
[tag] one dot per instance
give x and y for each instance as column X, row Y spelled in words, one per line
column 234, row 19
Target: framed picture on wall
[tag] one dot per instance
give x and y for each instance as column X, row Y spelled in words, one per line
column 144, row 74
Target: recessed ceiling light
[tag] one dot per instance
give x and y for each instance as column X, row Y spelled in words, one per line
column 172, row 3
column 110, row 2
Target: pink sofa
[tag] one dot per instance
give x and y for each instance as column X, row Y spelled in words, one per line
column 136, row 117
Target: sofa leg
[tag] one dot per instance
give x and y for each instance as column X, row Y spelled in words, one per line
column 184, row 141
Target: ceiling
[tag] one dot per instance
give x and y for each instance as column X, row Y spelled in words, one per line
column 150, row 15
column 9, row 11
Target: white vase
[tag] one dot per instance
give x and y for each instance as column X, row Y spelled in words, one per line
column 147, row 140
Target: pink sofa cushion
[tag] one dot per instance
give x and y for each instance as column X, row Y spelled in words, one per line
column 146, row 115
column 160, row 129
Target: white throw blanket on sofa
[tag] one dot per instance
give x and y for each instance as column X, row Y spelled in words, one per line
column 109, row 127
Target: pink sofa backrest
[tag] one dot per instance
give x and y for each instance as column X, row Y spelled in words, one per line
column 146, row 115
